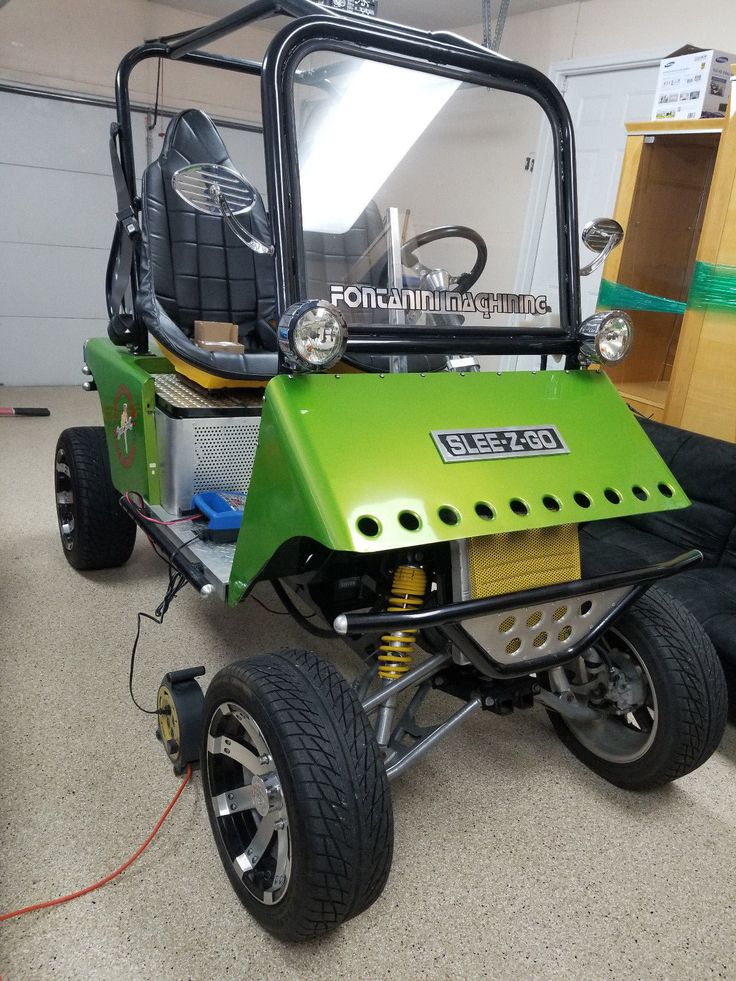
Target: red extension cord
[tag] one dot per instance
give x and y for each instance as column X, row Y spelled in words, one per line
column 112, row 875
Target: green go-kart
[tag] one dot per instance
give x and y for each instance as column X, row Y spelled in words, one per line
column 328, row 397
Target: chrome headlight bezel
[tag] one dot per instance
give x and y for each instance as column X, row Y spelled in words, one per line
column 602, row 328
column 297, row 319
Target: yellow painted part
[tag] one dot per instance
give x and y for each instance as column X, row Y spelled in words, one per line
column 397, row 648
column 516, row 560
column 203, row 378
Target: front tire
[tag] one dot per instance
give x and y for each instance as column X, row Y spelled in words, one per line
column 664, row 709
column 296, row 793
column 95, row 531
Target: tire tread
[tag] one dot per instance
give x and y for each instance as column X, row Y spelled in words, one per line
column 343, row 794
column 104, row 535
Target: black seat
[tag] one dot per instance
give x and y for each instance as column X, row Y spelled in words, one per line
column 193, row 268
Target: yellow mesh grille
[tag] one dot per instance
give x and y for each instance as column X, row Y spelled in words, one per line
column 515, row 560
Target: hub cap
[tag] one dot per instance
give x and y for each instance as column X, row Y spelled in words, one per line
column 64, row 499
column 613, row 680
column 248, row 802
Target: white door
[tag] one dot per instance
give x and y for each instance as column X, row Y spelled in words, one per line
column 600, row 104
column 57, row 216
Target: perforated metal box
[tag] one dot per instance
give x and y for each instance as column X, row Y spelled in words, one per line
column 206, row 440
column 204, row 453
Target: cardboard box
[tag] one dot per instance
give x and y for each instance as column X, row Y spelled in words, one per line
column 693, row 84
column 213, row 336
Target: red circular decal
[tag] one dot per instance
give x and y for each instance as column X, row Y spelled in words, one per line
column 124, row 426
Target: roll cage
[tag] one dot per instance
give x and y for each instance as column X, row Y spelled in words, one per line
column 441, row 53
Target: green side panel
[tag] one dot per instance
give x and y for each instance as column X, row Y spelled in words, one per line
column 616, row 296
column 713, row 287
column 335, row 448
column 128, row 399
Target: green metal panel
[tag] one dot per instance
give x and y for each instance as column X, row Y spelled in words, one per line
column 335, row 448
column 128, row 400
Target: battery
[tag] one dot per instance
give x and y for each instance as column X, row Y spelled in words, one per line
column 223, row 512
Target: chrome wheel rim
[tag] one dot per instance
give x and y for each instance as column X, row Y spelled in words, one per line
column 618, row 738
column 64, row 499
column 247, row 801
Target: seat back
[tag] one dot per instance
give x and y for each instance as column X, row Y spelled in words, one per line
column 330, row 258
column 198, row 269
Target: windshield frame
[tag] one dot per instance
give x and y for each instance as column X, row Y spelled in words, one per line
column 467, row 62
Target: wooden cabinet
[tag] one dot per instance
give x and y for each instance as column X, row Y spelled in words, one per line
column 677, row 204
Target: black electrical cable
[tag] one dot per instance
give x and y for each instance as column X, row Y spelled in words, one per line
column 298, row 615
column 159, row 77
column 177, row 581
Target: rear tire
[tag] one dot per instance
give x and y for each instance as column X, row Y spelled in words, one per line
column 686, row 699
column 95, row 531
column 285, row 740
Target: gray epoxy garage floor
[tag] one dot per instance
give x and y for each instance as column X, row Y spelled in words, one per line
column 512, row 860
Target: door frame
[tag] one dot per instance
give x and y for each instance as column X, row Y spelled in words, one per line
column 560, row 72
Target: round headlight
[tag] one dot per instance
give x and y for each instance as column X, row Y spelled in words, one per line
column 606, row 337
column 313, row 334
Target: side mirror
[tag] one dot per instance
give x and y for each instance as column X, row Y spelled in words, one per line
column 216, row 190
column 601, row 236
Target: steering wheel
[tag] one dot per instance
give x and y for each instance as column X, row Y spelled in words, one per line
column 466, row 280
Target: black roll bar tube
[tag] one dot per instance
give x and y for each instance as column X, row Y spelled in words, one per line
column 361, row 623
column 394, row 44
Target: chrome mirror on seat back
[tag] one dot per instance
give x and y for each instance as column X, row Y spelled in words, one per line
column 216, row 190
column 601, row 236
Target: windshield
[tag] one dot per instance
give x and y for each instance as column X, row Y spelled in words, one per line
column 414, row 196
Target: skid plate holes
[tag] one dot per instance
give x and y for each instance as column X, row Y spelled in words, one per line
column 612, row 495
column 541, row 639
column 534, row 619
column 551, row 503
column 506, row 625
column 485, row 511
column 565, row 633
column 665, row 490
column 582, row 499
column 368, row 526
column 519, row 507
column 410, row 521
column 559, row 613
column 585, row 608
column 513, row 646
column 448, row 515
column 639, row 492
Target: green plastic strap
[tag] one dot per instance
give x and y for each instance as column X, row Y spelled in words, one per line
column 713, row 286
column 615, row 296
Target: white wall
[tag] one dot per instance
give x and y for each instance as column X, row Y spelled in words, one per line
column 77, row 44
column 593, row 28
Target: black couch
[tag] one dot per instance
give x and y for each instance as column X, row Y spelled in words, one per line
column 706, row 470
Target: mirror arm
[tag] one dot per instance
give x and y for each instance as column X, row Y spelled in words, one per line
column 600, row 258
column 238, row 230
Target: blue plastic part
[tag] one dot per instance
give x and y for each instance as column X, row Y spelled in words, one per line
column 223, row 509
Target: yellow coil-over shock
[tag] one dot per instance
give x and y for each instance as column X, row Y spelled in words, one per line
column 407, row 593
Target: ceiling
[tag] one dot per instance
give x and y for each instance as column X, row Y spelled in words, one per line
column 428, row 14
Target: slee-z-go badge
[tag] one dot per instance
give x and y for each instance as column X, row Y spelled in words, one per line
column 463, row 445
